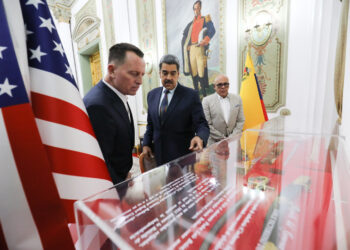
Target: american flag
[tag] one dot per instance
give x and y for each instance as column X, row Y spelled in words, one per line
column 68, row 141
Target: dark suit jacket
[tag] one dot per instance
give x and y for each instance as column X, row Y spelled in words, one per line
column 183, row 120
column 113, row 129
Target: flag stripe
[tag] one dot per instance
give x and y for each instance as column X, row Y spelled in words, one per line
column 47, row 83
column 88, row 186
column 55, row 110
column 91, row 238
column 100, row 241
column 69, row 207
column 73, row 232
column 17, row 221
column 263, row 109
column 76, row 163
column 31, row 165
column 3, row 244
column 258, row 87
column 261, row 98
column 62, row 119
column 73, row 139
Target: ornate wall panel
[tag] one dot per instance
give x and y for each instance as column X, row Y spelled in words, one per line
column 107, row 8
column 61, row 9
column 89, row 9
column 87, row 25
column 264, row 25
column 148, row 44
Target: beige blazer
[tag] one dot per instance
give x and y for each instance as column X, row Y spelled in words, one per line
column 213, row 113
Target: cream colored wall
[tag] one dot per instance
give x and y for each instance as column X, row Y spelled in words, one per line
column 311, row 58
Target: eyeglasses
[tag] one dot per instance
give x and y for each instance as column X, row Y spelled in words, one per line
column 223, row 84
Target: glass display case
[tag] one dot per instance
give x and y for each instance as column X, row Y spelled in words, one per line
column 267, row 188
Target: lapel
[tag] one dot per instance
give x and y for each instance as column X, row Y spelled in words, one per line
column 174, row 101
column 232, row 104
column 218, row 108
column 119, row 107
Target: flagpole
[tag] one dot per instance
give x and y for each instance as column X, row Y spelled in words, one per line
column 249, row 48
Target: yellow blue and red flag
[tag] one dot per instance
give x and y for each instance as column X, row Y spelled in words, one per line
column 253, row 103
column 253, row 107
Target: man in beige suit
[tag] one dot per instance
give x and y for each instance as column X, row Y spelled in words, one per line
column 223, row 111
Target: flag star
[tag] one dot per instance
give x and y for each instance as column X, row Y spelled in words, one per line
column 35, row 3
column 1, row 50
column 59, row 48
column 6, row 87
column 37, row 54
column 46, row 23
column 28, row 32
column 69, row 71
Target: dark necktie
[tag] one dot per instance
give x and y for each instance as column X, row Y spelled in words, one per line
column 164, row 104
column 131, row 123
column 129, row 112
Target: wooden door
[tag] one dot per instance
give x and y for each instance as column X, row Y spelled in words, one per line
column 95, row 66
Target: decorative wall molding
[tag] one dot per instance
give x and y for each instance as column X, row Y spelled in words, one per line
column 264, row 25
column 87, row 27
column 108, row 20
column 89, row 9
column 61, row 9
column 86, row 30
column 147, row 31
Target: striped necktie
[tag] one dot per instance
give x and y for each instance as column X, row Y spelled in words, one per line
column 164, row 104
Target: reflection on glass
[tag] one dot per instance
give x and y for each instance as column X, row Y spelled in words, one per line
column 266, row 188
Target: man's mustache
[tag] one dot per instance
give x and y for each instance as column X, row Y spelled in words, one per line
column 168, row 81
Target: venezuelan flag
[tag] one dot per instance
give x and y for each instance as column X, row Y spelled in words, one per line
column 253, row 103
column 253, row 108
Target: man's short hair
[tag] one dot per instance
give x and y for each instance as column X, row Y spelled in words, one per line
column 200, row 3
column 169, row 59
column 118, row 51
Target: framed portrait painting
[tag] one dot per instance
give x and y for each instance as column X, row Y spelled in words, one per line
column 194, row 32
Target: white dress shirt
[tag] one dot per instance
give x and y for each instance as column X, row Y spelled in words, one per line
column 123, row 97
column 225, row 106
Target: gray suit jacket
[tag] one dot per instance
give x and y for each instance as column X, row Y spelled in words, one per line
column 213, row 113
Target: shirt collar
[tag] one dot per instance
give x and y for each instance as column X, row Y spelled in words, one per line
column 121, row 96
column 170, row 91
column 220, row 97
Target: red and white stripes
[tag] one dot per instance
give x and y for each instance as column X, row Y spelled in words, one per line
column 77, row 162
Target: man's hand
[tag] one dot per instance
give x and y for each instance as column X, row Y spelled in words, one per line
column 203, row 43
column 196, row 144
column 147, row 151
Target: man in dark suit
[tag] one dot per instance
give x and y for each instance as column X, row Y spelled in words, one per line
column 176, row 124
column 108, row 109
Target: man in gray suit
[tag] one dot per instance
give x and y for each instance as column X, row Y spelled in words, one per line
column 223, row 111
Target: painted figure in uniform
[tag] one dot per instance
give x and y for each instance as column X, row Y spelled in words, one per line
column 195, row 44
